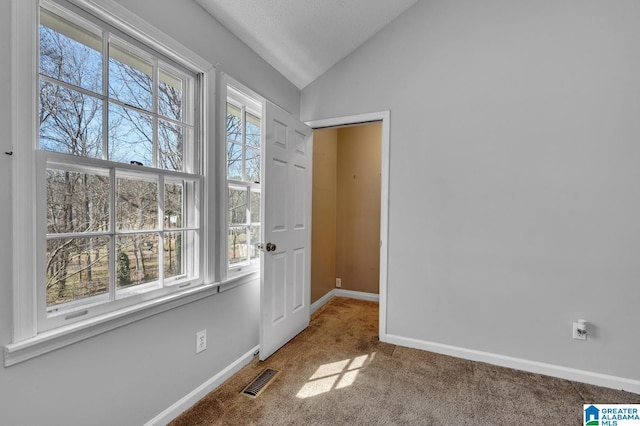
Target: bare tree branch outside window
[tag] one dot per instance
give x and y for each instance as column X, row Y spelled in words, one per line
column 145, row 106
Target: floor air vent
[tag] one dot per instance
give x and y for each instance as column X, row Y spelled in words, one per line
column 258, row 384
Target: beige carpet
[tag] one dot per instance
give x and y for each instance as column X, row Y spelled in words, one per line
column 337, row 372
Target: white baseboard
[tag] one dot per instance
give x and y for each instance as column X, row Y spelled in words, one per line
column 322, row 301
column 573, row 374
column 197, row 394
column 372, row 297
column 338, row 292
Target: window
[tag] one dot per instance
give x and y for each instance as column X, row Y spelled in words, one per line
column 243, row 134
column 119, row 175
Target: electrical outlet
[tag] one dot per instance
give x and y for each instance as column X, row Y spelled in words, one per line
column 579, row 331
column 201, row 341
column 338, row 282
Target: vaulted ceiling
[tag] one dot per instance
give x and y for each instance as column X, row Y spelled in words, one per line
column 304, row 38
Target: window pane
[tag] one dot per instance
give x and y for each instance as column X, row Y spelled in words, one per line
column 255, row 207
column 234, row 143
column 77, row 268
column 137, row 260
column 77, row 202
column 255, row 239
column 243, row 173
column 136, row 204
column 253, row 165
column 234, row 161
column 237, row 206
column 173, row 254
column 237, row 244
column 170, row 95
column 173, row 202
column 252, row 137
column 131, row 137
column 130, row 77
column 234, row 124
column 170, row 140
column 70, row 121
column 69, row 53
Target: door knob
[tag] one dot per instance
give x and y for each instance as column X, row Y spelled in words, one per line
column 270, row 247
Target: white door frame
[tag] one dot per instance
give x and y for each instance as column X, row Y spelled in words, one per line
column 385, row 117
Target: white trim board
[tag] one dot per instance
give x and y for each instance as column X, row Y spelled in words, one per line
column 385, row 118
column 322, row 301
column 338, row 292
column 198, row 393
column 372, row 297
column 572, row 374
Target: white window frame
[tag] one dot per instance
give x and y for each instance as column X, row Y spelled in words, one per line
column 27, row 342
column 50, row 317
column 246, row 101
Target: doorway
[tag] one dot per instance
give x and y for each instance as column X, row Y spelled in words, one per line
column 350, row 209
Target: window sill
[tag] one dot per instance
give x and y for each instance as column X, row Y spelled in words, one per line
column 49, row 341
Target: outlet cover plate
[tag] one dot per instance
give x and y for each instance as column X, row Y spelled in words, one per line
column 575, row 334
column 201, row 341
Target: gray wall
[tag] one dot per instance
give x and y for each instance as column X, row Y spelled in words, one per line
column 129, row 375
column 514, row 178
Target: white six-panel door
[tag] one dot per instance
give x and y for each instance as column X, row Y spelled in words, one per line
column 286, row 221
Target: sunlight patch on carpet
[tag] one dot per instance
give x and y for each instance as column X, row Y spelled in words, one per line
column 335, row 375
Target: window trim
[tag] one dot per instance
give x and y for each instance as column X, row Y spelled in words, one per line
column 27, row 343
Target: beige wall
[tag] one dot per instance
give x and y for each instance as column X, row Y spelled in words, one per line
column 358, row 207
column 323, row 234
column 346, row 209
